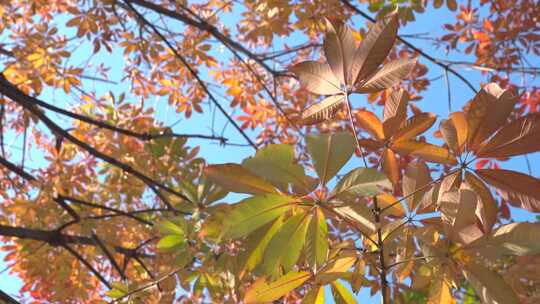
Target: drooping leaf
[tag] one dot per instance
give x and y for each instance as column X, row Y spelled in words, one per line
column 424, row 150
column 254, row 212
column 317, row 77
column 518, row 239
column 489, row 285
column 390, row 166
column 285, row 247
column 518, row 137
column 262, row 292
column 414, row 126
column 487, row 209
column 395, row 112
column 440, row 292
column 330, row 152
column 339, row 47
column 371, row 123
column 389, row 75
column 323, row 110
column 449, row 134
column 276, row 164
column 314, row 296
column 415, row 182
column 316, row 240
column 341, row 294
column 374, row 48
column 519, row 189
column 235, row 178
column 362, row 182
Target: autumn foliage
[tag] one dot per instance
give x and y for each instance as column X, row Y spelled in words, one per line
column 339, row 196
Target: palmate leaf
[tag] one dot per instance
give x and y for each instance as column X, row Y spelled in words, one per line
column 486, row 210
column 415, row 181
column 339, row 47
column 389, row 75
column 488, row 110
column 323, row 110
column 316, row 239
column 314, row 296
column 456, row 212
column 235, row 178
column 519, row 239
column 489, row 285
column 521, row 190
column 371, row 123
column 286, row 245
column 341, row 294
column 390, row 166
column 317, row 77
column 362, row 182
column 374, row 48
column 395, row 112
column 427, row 151
column 414, row 126
column 254, row 212
column 521, row 136
column 336, row 269
column 276, row 164
column 454, row 131
column 330, row 152
column 262, row 292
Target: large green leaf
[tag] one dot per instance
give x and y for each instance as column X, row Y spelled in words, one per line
column 362, row 182
column 256, row 244
column 285, row 247
column 489, row 285
column 254, row 212
column 235, row 178
column 330, row 152
column 317, row 242
column 276, row 164
column 262, row 292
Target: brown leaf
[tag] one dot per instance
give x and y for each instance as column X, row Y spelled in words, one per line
column 521, row 136
column 339, row 47
column 456, row 212
column 390, row 166
column 487, row 209
column 317, row 77
column 371, row 123
column 415, row 181
column 323, row 110
column 521, row 190
column 374, row 48
column 395, row 112
column 414, row 126
column 235, row 178
column 427, row 151
column 488, row 110
column 389, row 75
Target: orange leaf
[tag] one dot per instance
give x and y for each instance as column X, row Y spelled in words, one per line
column 427, row 151
column 414, row 126
column 369, row 122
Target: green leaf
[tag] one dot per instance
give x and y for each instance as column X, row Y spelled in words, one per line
column 168, row 227
column 341, row 294
column 262, row 292
column 171, row 241
column 255, row 212
column 285, row 247
column 276, row 164
column 235, row 178
column 362, row 182
column 316, row 242
column 256, row 244
column 489, row 285
column 330, row 152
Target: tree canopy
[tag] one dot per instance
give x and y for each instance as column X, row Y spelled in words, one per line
column 350, row 185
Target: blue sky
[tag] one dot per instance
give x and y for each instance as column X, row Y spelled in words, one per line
column 435, row 100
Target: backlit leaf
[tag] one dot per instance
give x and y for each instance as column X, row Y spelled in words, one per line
column 339, row 47
column 330, row 152
column 362, row 182
column 388, row 76
column 424, row 150
column 414, row 126
column 317, row 77
column 323, row 110
column 489, row 285
column 235, row 178
column 262, row 292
